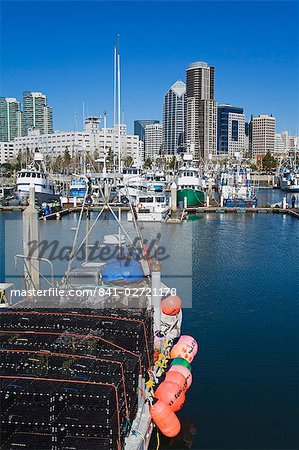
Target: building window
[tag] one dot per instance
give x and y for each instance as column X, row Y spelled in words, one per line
column 235, row 134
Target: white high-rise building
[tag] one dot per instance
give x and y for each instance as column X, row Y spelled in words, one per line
column 6, row 152
column 263, row 134
column 153, row 140
column 282, row 142
column 293, row 142
column 174, row 118
column 201, row 112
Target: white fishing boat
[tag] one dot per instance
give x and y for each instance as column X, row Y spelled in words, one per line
column 149, row 207
column 288, row 180
column 132, row 184
column 36, row 175
column 156, row 180
column 235, row 185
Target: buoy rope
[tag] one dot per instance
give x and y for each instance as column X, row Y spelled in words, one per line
column 158, row 440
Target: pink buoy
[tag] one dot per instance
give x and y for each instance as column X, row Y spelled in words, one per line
column 182, row 350
column 189, row 340
column 184, row 371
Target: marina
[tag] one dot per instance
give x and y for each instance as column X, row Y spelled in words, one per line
column 149, row 197
column 220, row 321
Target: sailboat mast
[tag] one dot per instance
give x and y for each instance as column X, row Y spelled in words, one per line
column 105, row 142
column 114, row 102
column 119, row 144
column 118, row 105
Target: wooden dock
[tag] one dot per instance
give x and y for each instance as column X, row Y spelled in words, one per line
column 56, row 215
column 225, row 210
column 176, row 216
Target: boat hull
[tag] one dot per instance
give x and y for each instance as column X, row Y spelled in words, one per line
column 194, row 197
column 149, row 216
column 40, row 197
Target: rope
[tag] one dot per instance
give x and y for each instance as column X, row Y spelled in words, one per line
column 158, row 440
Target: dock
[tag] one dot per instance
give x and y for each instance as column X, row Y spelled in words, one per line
column 56, row 215
column 176, row 217
column 228, row 210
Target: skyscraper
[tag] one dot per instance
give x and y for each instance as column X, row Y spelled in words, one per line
column 37, row 114
column 173, row 118
column 262, row 134
column 201, row 111
column 230, row 130
column 139, row 127
column 10, row 119
column 153, row 140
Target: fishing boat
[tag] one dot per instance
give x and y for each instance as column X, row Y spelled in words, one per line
column 150, row 207
column 99, row 363
column 235, row 186
column 35, row 174
column 190, row 186
column 287, row 174
column 156, row 180
column 78, row 187
column 288, row 180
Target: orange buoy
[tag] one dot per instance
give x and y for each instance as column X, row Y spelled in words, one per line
column 172, row 394
column 171, row 305
column 181, row 350
column 178, row 378
column 165, row 419
column 184, row 371
column 189, row 340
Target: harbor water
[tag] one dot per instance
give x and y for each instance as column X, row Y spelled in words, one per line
column 244, row 314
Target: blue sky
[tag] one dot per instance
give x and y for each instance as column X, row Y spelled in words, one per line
column 65, row 49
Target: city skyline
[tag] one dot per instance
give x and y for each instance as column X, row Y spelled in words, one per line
column 78, row 67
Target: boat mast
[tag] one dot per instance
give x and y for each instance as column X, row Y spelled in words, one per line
column 105, row 142
column 118, row 104
column 114, row 102
column 118, row 120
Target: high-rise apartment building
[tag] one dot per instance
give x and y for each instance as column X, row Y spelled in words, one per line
column 230, row 130
column 7, row 152
column 174, row 118
column 262, row 134
column 10, row 119
column 153, row 140
column 139, row 127
column 201, row 110
column 37, row 114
